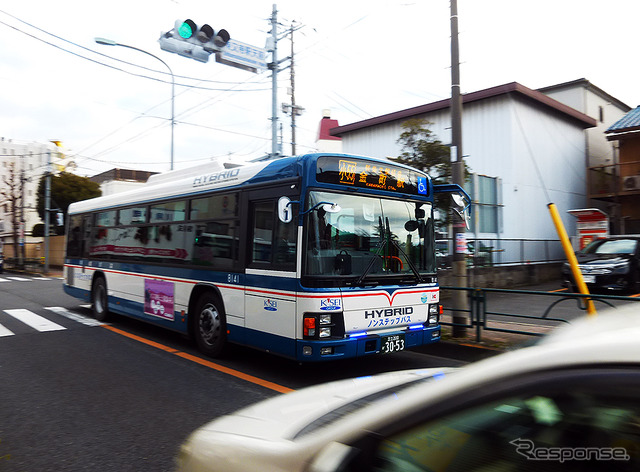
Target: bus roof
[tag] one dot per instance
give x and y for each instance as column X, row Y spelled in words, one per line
column 208, row 177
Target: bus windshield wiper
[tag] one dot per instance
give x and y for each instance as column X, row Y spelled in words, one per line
column 395, row 243
column 411, row 264
column 379, row 247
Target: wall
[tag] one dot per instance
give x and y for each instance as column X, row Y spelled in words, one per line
column 506, row 276
column 588, row 100
column 512, row 139
column 35, row 251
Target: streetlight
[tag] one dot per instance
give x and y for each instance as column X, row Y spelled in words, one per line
column 109, row 42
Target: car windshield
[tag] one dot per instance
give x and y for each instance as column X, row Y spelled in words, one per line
column 363, row 238
column 362, row 402
column 612, row 246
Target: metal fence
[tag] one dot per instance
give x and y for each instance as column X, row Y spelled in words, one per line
column 555, row 309
column 487, row 252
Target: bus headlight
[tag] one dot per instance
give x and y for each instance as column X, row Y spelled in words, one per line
column 435, row 311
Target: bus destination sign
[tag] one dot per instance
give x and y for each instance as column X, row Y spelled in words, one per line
column 370, row 174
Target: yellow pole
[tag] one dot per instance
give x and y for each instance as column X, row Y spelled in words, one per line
column 571, row 257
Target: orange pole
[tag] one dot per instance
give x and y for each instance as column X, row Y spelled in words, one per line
column 571, row 257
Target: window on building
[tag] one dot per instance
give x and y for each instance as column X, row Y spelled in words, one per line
column 485, row 192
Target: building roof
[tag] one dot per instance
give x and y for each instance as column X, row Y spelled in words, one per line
column 629, row 122
column 588, row 85
column 512, row 88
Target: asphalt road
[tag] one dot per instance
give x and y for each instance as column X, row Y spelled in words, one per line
column 76, row 395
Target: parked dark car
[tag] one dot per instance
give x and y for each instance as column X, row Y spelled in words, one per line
column 608, row 264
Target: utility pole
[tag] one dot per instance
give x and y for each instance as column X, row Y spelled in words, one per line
column 293, row 100
column 274, row 82
column 292, row 108
column 47, row 212
column 460, row 302
column 22, row 256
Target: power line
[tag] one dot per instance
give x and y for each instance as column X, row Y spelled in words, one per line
column 135, row 74
column 99, row 53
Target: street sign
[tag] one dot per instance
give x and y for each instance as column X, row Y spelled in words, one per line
column 243, row 56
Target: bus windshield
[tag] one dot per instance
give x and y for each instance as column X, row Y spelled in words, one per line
column 368, row 240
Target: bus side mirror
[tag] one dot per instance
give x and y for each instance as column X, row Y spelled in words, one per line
column 461, row 208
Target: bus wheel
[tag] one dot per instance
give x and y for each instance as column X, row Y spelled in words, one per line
column 99, row 300
column 209, row 326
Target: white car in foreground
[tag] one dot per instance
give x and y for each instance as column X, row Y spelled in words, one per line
column 572, row 402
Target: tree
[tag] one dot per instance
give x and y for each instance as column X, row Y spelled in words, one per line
column 421, row 149
column 66, row 188
column 12, row 194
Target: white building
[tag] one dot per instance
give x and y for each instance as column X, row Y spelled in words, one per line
column 524, row 149
column 120, row 180
column 22, row 165
column 585, row 97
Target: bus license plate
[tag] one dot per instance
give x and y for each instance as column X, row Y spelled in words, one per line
column 393, row 343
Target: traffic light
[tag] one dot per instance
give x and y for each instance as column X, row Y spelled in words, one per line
column 190, row 40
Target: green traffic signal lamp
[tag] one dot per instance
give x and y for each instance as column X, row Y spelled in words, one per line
column 186, row 29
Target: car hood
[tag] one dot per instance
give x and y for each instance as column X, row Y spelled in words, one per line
column 286, row 415
column 596, row 259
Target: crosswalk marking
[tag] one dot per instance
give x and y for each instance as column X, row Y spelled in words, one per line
column 74, row 316
column 5, row 331
column 24, row 279
column 37, row 322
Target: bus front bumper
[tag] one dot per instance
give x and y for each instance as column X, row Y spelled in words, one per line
column 370, row 344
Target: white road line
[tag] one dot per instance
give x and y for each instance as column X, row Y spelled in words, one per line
column 4, row 280
column 74, row 316
column 19, row 279
column 35, row 321
column 5, row 332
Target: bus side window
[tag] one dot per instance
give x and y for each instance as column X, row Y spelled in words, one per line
column 74, row 237
column 263, row 216
column 285, row 244
column 273, row 242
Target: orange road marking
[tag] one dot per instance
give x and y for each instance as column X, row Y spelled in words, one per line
column 235, row 373
column 204, row 362
column 140, row 339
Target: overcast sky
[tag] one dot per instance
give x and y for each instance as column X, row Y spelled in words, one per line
column 358, row 58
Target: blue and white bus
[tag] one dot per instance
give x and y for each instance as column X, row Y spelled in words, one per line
column 316, row 257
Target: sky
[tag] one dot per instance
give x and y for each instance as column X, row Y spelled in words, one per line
column 111, row 106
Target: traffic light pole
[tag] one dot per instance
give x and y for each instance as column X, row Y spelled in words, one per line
column 108, row 42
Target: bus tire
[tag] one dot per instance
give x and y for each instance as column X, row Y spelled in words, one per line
column 99, row 299
column 209, row 325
